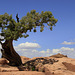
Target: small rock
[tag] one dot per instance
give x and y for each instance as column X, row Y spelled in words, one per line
column 3, row 61
column 59, row 68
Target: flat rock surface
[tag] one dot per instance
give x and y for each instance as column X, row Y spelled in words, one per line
column 7, row 68
column 22, row 73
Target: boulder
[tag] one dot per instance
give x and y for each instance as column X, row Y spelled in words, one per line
column 58, row 55
column 3, row 61
column 69, row 66
column 65, row 66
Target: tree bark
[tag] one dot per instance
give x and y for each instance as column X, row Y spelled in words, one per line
column 10, row 54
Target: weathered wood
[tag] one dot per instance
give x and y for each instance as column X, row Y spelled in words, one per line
column 10, row 54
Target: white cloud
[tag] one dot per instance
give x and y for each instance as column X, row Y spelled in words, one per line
column 34, row 51
column 30, row 50
column 68, row 43
column 42, row 51
column 48, row 50
column 27, row 45
column 56, row 51
column 67, row 48
column 62, row 49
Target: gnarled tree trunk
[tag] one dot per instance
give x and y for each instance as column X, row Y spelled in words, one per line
column 10, row 54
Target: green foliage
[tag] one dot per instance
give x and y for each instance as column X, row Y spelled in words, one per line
column 10, row 29
column 33, row 68
column 25, row 65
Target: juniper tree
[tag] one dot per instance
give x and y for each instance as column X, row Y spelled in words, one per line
column 12, row 30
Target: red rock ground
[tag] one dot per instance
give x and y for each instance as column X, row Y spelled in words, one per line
column 65, row 66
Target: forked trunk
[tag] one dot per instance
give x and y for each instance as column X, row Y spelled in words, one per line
column 10, row 54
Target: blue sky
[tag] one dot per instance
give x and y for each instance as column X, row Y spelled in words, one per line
column 60, row 40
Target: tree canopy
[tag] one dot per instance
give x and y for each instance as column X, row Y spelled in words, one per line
column 11, row 29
